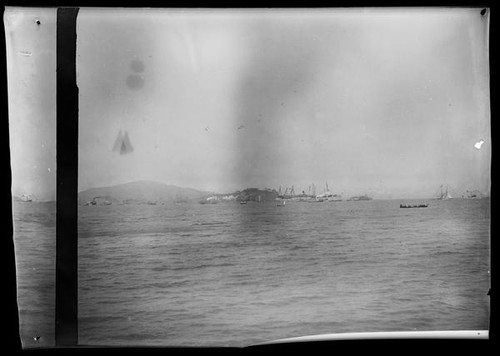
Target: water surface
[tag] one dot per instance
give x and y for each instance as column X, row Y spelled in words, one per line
column 231, row 274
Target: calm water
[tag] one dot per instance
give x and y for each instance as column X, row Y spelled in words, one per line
column 231, row 274
column 35, row 252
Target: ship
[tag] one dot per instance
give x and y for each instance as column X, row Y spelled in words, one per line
column 444, row 194
column 303, row 197
column 472, row 194
column 214, row 199
column 289, row 193
column 26, row 198
column 97, row 201
column 327, row 195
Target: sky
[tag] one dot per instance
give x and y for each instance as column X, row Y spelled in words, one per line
column 386, row 102
column 31, row 81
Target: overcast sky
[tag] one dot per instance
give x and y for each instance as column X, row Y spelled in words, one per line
column 385, row 102
column 31, row 80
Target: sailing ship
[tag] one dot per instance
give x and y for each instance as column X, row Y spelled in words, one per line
column 303, row 197
column 122, row 144
column 26, row 198
column 444, row 194
column 288, row 194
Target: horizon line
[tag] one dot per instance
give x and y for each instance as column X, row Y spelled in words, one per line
column 214, row 191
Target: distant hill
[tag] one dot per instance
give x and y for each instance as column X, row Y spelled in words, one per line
column 248, row 194
column 140, row 192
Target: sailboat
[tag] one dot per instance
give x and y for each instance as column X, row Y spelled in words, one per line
column 444, row 194
column 122, row 144
column 26, row 198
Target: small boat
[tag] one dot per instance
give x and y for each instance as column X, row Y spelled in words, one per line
column 243, row 202
column 407, row 206
column 474, row 194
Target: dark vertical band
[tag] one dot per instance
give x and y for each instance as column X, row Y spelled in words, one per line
column 66, row 327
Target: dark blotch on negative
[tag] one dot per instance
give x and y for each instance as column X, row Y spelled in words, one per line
column 137, row 66
column 135, row 81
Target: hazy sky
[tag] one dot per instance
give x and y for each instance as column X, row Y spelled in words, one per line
column 31, row 77
column 385, row 102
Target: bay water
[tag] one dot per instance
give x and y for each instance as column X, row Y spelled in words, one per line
column 234, row 275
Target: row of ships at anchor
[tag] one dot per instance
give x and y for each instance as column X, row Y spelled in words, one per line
column 311, row 196
column 284, row 195
column 444, row 194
